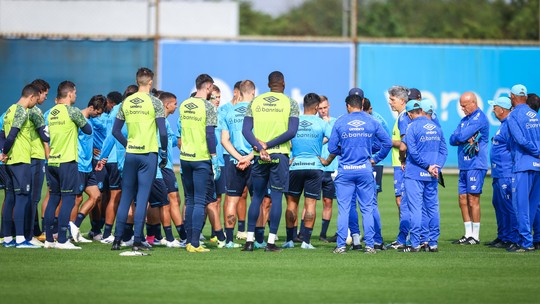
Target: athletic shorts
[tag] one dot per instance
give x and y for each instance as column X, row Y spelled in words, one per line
column 276, row 171
column 237, row 180
column 158, row 194
column 102, row 177
column 170, row 180
column 211, row 191
column 20, row 178
column 328, row 187
column 64, row 178
column 308, row 181
column 471, row 181
column 3, row 176
column 87, row 179
column 378, row 173
column 221, row 183
column 398, row 181
column 115, row 177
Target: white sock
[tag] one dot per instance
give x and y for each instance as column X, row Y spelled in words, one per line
column 476, row 231
column 8, row 239
column 19, row 239
column 356, row 239
column 271, row 238
column 250, row 236
column 468, row 229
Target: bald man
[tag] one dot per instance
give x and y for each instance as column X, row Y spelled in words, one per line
column 471, row 138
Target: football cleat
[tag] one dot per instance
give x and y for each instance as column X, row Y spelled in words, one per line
column 396, row 245
column 248, row 246
column 471, row 241
column 49, row 245
column 241, row 235
column 462, row 240
column 356, row 247
column 289, row 244
column 340, row 250
column 272, row 248
column 231, row 245
column 116, row 245
column 432, row 249
column 258, row 245
column 370, row 250
column 26, row 244
column 108, row 240
column 494, row 242
column 42, row 237
column 196, row 249
column 173, row 244
column 12, row 243
column 35, row 241
column 379, row 246
column 221, row 244
column 521, row 249
column 410, row 249
column 95, row 236
column 307, row 246
column 67, row 245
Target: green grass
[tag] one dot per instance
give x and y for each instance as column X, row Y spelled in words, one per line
column 457, row 274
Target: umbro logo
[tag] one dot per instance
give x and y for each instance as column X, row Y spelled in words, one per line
column 429, row 127
column 191, row 106
column 356, row 123
column 136, row 101
column 55, row 112
column 270, row 99
column 305, row 124
column 241, row 110
column 531, row 114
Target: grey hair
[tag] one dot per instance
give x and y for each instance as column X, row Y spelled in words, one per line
column 399, row 92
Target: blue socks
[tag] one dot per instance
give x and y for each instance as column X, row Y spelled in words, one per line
column 181, row 232
column 229, row 233
column 324, row 228
column 259, row 234
column 241, row 225
column 79, row 219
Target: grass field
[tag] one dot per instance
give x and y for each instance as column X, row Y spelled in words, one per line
column 456, row 274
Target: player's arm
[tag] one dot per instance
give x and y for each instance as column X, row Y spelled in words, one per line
column 119, row 122
column 414, row 153
column 292, row 127
column 247, row 130
column 515, row 129
column 465, row 133
column 385, row 143
column 20, row 117
column 39, row 123
column 443, row 152
column 226, row 142
column 10, row 140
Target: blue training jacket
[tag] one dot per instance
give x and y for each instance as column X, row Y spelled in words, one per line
column 501, row 157
column 524, row 129
column 467, row 128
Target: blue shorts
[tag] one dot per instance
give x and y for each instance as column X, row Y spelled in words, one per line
column 87, row 179
column 378, row 173
column 309, row 181
column 328, row 187
column 101, row 177
column 3, row 176
column 115, row 178
column 38, row 175
column 237, row 179
column 471, row 181
column 398, row 181
column 275, row 171
column 20, row 179
column 170, row 180
column 64, row 178
column 158, row 194
column 220, row 184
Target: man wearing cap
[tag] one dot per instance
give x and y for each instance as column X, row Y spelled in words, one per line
column 425, row 149
column 501, row 172
column 471, row 138
column 398, row 97
column 524, row 129
column 352, row 138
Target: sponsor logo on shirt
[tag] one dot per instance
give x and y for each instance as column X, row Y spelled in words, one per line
column 353, row 135
column 352, row 167
column 425, row 174
column 477, row 116
column 55, row 112
column 356, row 123
column 302, row 163
column 241, row 110
column 536, row 164
column 136, row 101
column 188, row 154
column 531, row 114
column 263, row 109
column 429, row 138
column 305, row 124
column 270, row 100
column 135, row 147
column 473, row 187
column 429, row 127
column 273, row 161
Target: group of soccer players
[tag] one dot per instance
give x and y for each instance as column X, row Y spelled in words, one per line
column 118, row 150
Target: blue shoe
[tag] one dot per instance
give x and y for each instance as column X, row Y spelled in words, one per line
column 10, row 244
column 289, row 244
column 306, row 246
column 27, row 244
column 258, row 245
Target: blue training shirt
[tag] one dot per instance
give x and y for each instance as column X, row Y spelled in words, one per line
column 99, row 130
column 307, row 143
column 171, row 140
column 85, row 151
column 501, row 155
column 469, row 126
column 222, row 113
column 425, row 146
column 110, row 141
column 232, row 122
column 324, row 153
column 524, row 129
column 352, row 138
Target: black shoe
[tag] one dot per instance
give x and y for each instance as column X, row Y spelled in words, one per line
column 536, row 245
column 298, row 239
column 379, row 247
column 356, row 247
column 272, row 248
column 424, row 247
column 396, row 245
column 332, row 239
column 462, row 240
column 116, row 245
column 519, row 248
column 494, row 242
column 410, row 249
column 323, row 239
column 432, row 249
column 139, row 246
column 248, row 246
column 512, row 247
column 502, row 245
column 471, row 241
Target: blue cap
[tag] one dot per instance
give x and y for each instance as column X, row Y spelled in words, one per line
column 412, row 105
column 414, row 94
column 427, row 105
column 356, row 91
column 519, row 90
column 503, row 102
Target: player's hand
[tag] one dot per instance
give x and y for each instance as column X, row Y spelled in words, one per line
column 373, row 163
column 215, row 167
column 3, row 157
column 96, row 152
column 263, row 144
column 163, row 157
column 265, row 156
column 402, row 166
column 100, row 164
column 323, row 161
column 434, row 170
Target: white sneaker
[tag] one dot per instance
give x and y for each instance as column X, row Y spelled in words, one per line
column 306, row 246
column 173, row 244
column 182, row 243
column 66, row 245
column 221, row 244
column 36, row 242
column 202, row 238
column 143, row 242
column 241, row 235
column 97, row 237
column 163, row 242
column 108, row 240
column 128, row 243
column 75, row 232
column 49, row 245
column 82, row 239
